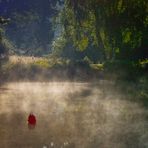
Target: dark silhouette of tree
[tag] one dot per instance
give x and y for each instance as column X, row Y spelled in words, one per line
column 3, row 50
column 119, row 29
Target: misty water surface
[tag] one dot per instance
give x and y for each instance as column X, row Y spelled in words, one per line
column 72, row 115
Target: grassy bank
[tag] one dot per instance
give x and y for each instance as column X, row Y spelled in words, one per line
column 130, row 78
column 43, row 69
column 37, row 68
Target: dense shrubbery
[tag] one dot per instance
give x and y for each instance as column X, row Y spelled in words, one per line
column 126, row 69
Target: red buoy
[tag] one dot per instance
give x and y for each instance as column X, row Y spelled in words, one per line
column 31, row 121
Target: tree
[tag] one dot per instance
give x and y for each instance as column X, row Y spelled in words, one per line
column 31, row 25
column 3, row 21
column 117, row 28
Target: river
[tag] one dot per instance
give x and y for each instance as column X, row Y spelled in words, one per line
column 70, row 115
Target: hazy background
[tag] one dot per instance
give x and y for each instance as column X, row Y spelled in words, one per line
column 80, row 66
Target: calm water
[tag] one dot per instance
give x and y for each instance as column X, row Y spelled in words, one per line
column 70, row 115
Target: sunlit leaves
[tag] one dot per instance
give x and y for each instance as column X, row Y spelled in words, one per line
column 58, row 45
column 82, row 44
column 146, row 21
column 126, row 35
column 115, row 27
column 132, row 37
column 120, row 7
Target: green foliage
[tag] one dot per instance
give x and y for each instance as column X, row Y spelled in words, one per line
column 143, row 63
column 116, row 28
column 3, row 44
column 87, row 59
column 4, row 21
column 97, row 66
column 126, row 36
column 42, row 63
column 82, row 44
column 58, row 45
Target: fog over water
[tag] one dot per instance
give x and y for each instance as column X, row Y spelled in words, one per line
column 72, row 115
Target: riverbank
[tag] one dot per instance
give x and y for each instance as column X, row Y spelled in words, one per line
column 128, row 77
